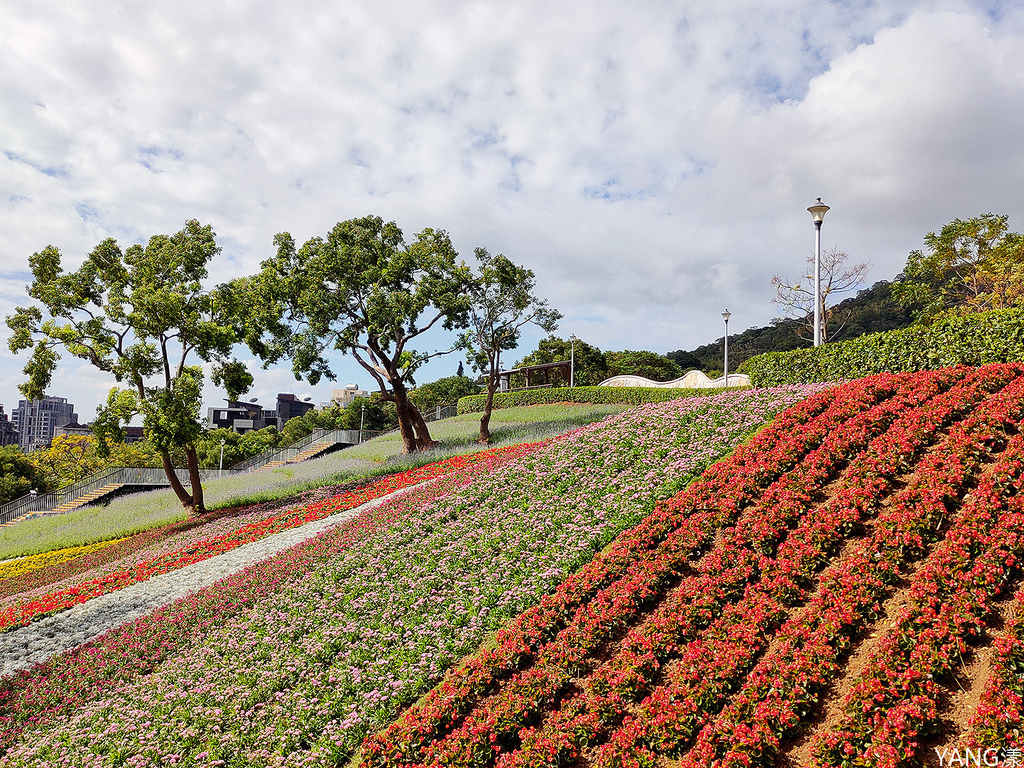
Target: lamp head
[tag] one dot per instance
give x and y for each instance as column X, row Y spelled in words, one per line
column 817, row 211
column 727, row 314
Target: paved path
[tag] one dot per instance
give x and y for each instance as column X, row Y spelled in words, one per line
column 24, row 647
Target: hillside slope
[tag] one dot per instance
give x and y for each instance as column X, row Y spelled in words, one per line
column 829, row 595
column 295, row 659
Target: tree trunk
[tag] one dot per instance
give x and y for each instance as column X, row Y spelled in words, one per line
column 179, row 490
column 485, row 420
column 424, row 442
column 198, row 507
column 405, row 422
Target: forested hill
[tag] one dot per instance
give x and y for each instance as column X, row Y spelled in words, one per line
column 871, row 310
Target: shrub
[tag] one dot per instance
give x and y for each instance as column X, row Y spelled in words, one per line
column 590, row 395
column 977, row 339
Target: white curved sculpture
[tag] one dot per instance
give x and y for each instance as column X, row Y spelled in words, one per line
column 692, row 380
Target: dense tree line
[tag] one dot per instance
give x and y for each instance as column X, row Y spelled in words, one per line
column 872, row 310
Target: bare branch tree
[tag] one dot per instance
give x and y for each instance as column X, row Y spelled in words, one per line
column 796, row 297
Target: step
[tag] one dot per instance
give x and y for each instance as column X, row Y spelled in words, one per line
column 67, row 506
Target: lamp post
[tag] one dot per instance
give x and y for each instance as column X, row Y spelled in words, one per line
column 725, row 316
column 572, row 360
column 221, row 470
column 362, row 415
column 817, row 212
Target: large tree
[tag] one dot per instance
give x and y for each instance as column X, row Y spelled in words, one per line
column 138, row 314
column 503, row 301
column 591, row 366
column 363, row 291
column 970, row 265
column 796, row 297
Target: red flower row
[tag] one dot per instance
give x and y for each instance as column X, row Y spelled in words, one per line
column 785, row 684
column 26, row 613
column 896, row 695
column 673, row 532
column 741, row 561
column 646, row 561
column 710, row 665
column 1000, row 715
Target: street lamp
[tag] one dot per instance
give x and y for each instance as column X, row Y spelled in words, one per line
column 362, row 415
column 726, row 315
column 221, row 470
column 572, row 360
column 817, row 212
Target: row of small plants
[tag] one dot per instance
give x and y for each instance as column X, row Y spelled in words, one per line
column 896, row 697
column 673, row 533
column 1000, row 715
column 786, row 683
column 685, row 702
column 305, row 670
column 22, row 565
column 712, row 627
column 975, row 339
column 52, row 602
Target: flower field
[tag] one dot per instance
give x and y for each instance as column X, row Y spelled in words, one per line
column 198, row 548
column 297, row 659
column 22, row 565
column 879, row 522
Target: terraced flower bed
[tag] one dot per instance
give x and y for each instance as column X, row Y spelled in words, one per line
column 201, row 548
column 22, row 565
column 297, row 659
column 717, row 631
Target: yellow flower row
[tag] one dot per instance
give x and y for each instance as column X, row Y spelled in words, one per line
column 34, row 562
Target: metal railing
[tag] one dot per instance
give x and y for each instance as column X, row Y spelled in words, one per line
column 441, row 412
column 141, row 476
column 131, row 476
column 344, row 436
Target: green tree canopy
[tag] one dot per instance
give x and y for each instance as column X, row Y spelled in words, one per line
column 363, row 291
column 139, row 315
column 971, row 265
column 591, row 368
column 503, row 301
column 644, row 363
column 446, row 391
column 18, row 475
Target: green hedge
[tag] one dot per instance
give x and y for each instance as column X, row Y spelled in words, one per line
column 589, row 395
column 986, row 337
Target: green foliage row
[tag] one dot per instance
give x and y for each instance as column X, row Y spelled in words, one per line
column 611, row 395
column 976, row 339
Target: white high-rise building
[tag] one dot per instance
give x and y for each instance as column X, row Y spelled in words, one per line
column 37, row 420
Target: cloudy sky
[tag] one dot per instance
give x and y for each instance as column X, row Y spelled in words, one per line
column 651, row 161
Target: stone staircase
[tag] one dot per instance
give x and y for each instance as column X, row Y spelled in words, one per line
column 67, row 506
column 81, row 501
column 307, row 453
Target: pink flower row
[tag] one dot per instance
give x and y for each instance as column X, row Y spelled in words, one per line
column 54, row 602
column 65, row 682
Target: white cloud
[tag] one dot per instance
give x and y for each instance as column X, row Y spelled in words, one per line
column 650, row 162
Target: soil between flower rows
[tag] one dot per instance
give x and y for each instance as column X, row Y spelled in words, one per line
column 827, row 596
